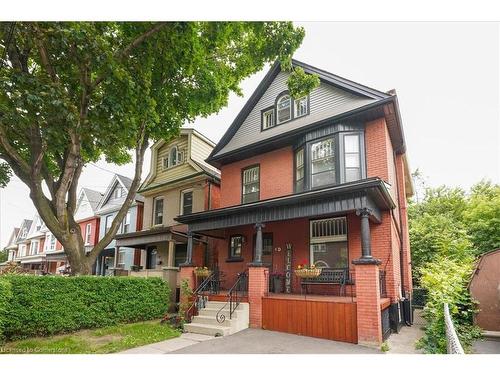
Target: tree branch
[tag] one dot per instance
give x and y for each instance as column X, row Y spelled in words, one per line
column 123, row 53
column 44, row 56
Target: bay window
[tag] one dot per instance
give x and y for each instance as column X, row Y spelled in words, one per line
column 323, row 163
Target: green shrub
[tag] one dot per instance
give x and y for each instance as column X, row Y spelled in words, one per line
column 46, row 305
column 5, row 296
column 446, row 281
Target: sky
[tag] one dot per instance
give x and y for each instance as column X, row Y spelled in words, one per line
column 446, row 76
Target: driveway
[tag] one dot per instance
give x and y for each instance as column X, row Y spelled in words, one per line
column 258, row 341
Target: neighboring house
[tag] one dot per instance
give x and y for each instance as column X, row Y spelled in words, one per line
column 34, row 258
column 22, row 241
column 179, row 181
column 322, row 180
column 114, row 257
column 485, row 289
column 11, row 247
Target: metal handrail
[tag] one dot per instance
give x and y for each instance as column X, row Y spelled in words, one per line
column 233, row 298
column 453, row 345
column 200, row 300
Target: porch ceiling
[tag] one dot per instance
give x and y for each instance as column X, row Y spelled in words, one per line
column 370, row 193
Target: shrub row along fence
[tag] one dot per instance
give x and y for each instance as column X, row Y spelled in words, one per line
column 46, row 305
column 452, row 343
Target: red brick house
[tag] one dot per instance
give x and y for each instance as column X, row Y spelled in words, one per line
column 320, row 180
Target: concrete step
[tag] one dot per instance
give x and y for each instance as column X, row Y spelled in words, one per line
column 204, row 319
column 213, row 312
column 218, row 305
column 207, row 329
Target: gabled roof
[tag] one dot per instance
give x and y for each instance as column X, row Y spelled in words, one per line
column 125, row 183
column 36, row 227
column 375, row 98
column 26, row 223
column 94, row 197
column 11, row 244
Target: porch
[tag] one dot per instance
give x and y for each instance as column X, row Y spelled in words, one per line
column 328, row 229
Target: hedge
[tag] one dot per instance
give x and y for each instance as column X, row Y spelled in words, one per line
column 5, row 295
column 46, row 305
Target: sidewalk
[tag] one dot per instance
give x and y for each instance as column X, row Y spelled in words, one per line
column 404, row 341
column 167, row 346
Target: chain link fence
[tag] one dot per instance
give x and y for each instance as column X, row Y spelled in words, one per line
column 452, row 342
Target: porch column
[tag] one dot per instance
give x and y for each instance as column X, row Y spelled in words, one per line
column 258, row 245
column 258, row 285
column 367, row 288
column 171, row 254
column 117, row 251
column 366, row 249
column 189, row 253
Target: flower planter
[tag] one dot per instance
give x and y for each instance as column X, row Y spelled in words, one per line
column 308, row 272
column 202, row 273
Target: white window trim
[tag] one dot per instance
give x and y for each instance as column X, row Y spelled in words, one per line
column 88, row 233
column 181, row 208
column 154, row 224
column 179, row 158
column 296, row 107
column 264, row 115
column 124, row 223
column 37, row 247
column 336, row 238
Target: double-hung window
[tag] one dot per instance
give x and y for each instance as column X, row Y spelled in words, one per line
column 251, row 184
column 299, row 170
column 300, row 107
column 268, row 119
column 352, row 157
column 88, row 233
column 235, row 246
column 323, row 163
column 328, row 239
column 52, row 242
column 126, row 223
column 284, row 109
column 158, row 211
column 34, row 247
column 186, row 202
column 109, row 221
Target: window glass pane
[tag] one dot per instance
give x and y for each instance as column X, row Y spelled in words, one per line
column 284, row 112
column 352, row 160
column 330, row 254
column 158, row 211
column 268, row 119
column 251, row 185
column 323, row 178
column 236, row 242
column 351, row 143
column 187, row 202
column 352, row 174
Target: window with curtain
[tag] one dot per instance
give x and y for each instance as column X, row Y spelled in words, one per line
column 158, row 211
column 251, row 184
column 323, row 163
column 284, row 109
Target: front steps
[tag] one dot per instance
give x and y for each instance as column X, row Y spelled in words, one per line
column 206, row 323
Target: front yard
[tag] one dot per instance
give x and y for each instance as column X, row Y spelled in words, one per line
column 95, row 341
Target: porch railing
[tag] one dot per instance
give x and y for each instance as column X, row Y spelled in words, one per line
column 210, row 284
column 234, row 296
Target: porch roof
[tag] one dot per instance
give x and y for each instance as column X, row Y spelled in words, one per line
column 143, row 238
column 369, row 193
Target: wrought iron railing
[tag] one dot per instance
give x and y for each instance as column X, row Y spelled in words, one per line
column 382, row 284
column 452, row 343
column 234, row 296
column 211, row 285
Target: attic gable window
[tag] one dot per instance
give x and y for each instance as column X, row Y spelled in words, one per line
column 175, row 157
column 284, row 109
column 300, row 106
column 268, row 119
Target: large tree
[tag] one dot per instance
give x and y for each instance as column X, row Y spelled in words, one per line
column 72, row 93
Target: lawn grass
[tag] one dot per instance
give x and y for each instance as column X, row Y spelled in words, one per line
column 95, row 341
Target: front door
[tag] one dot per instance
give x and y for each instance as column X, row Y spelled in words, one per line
column 151, row 257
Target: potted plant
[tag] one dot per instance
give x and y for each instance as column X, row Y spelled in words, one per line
column 277, row 282
column 202, row 272
column 307, row 271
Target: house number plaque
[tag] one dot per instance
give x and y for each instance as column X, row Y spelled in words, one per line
column 288, row 268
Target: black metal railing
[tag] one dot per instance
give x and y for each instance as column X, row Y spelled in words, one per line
column 234, row 296
column 211, row 284
column 382, row 284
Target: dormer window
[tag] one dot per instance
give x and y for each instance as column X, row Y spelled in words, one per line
column 118, row 192
column 300, row 106
column 284, row 109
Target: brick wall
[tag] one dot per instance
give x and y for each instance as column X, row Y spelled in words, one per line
column 368, row 305
column 258, row 281
column 276, row 176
